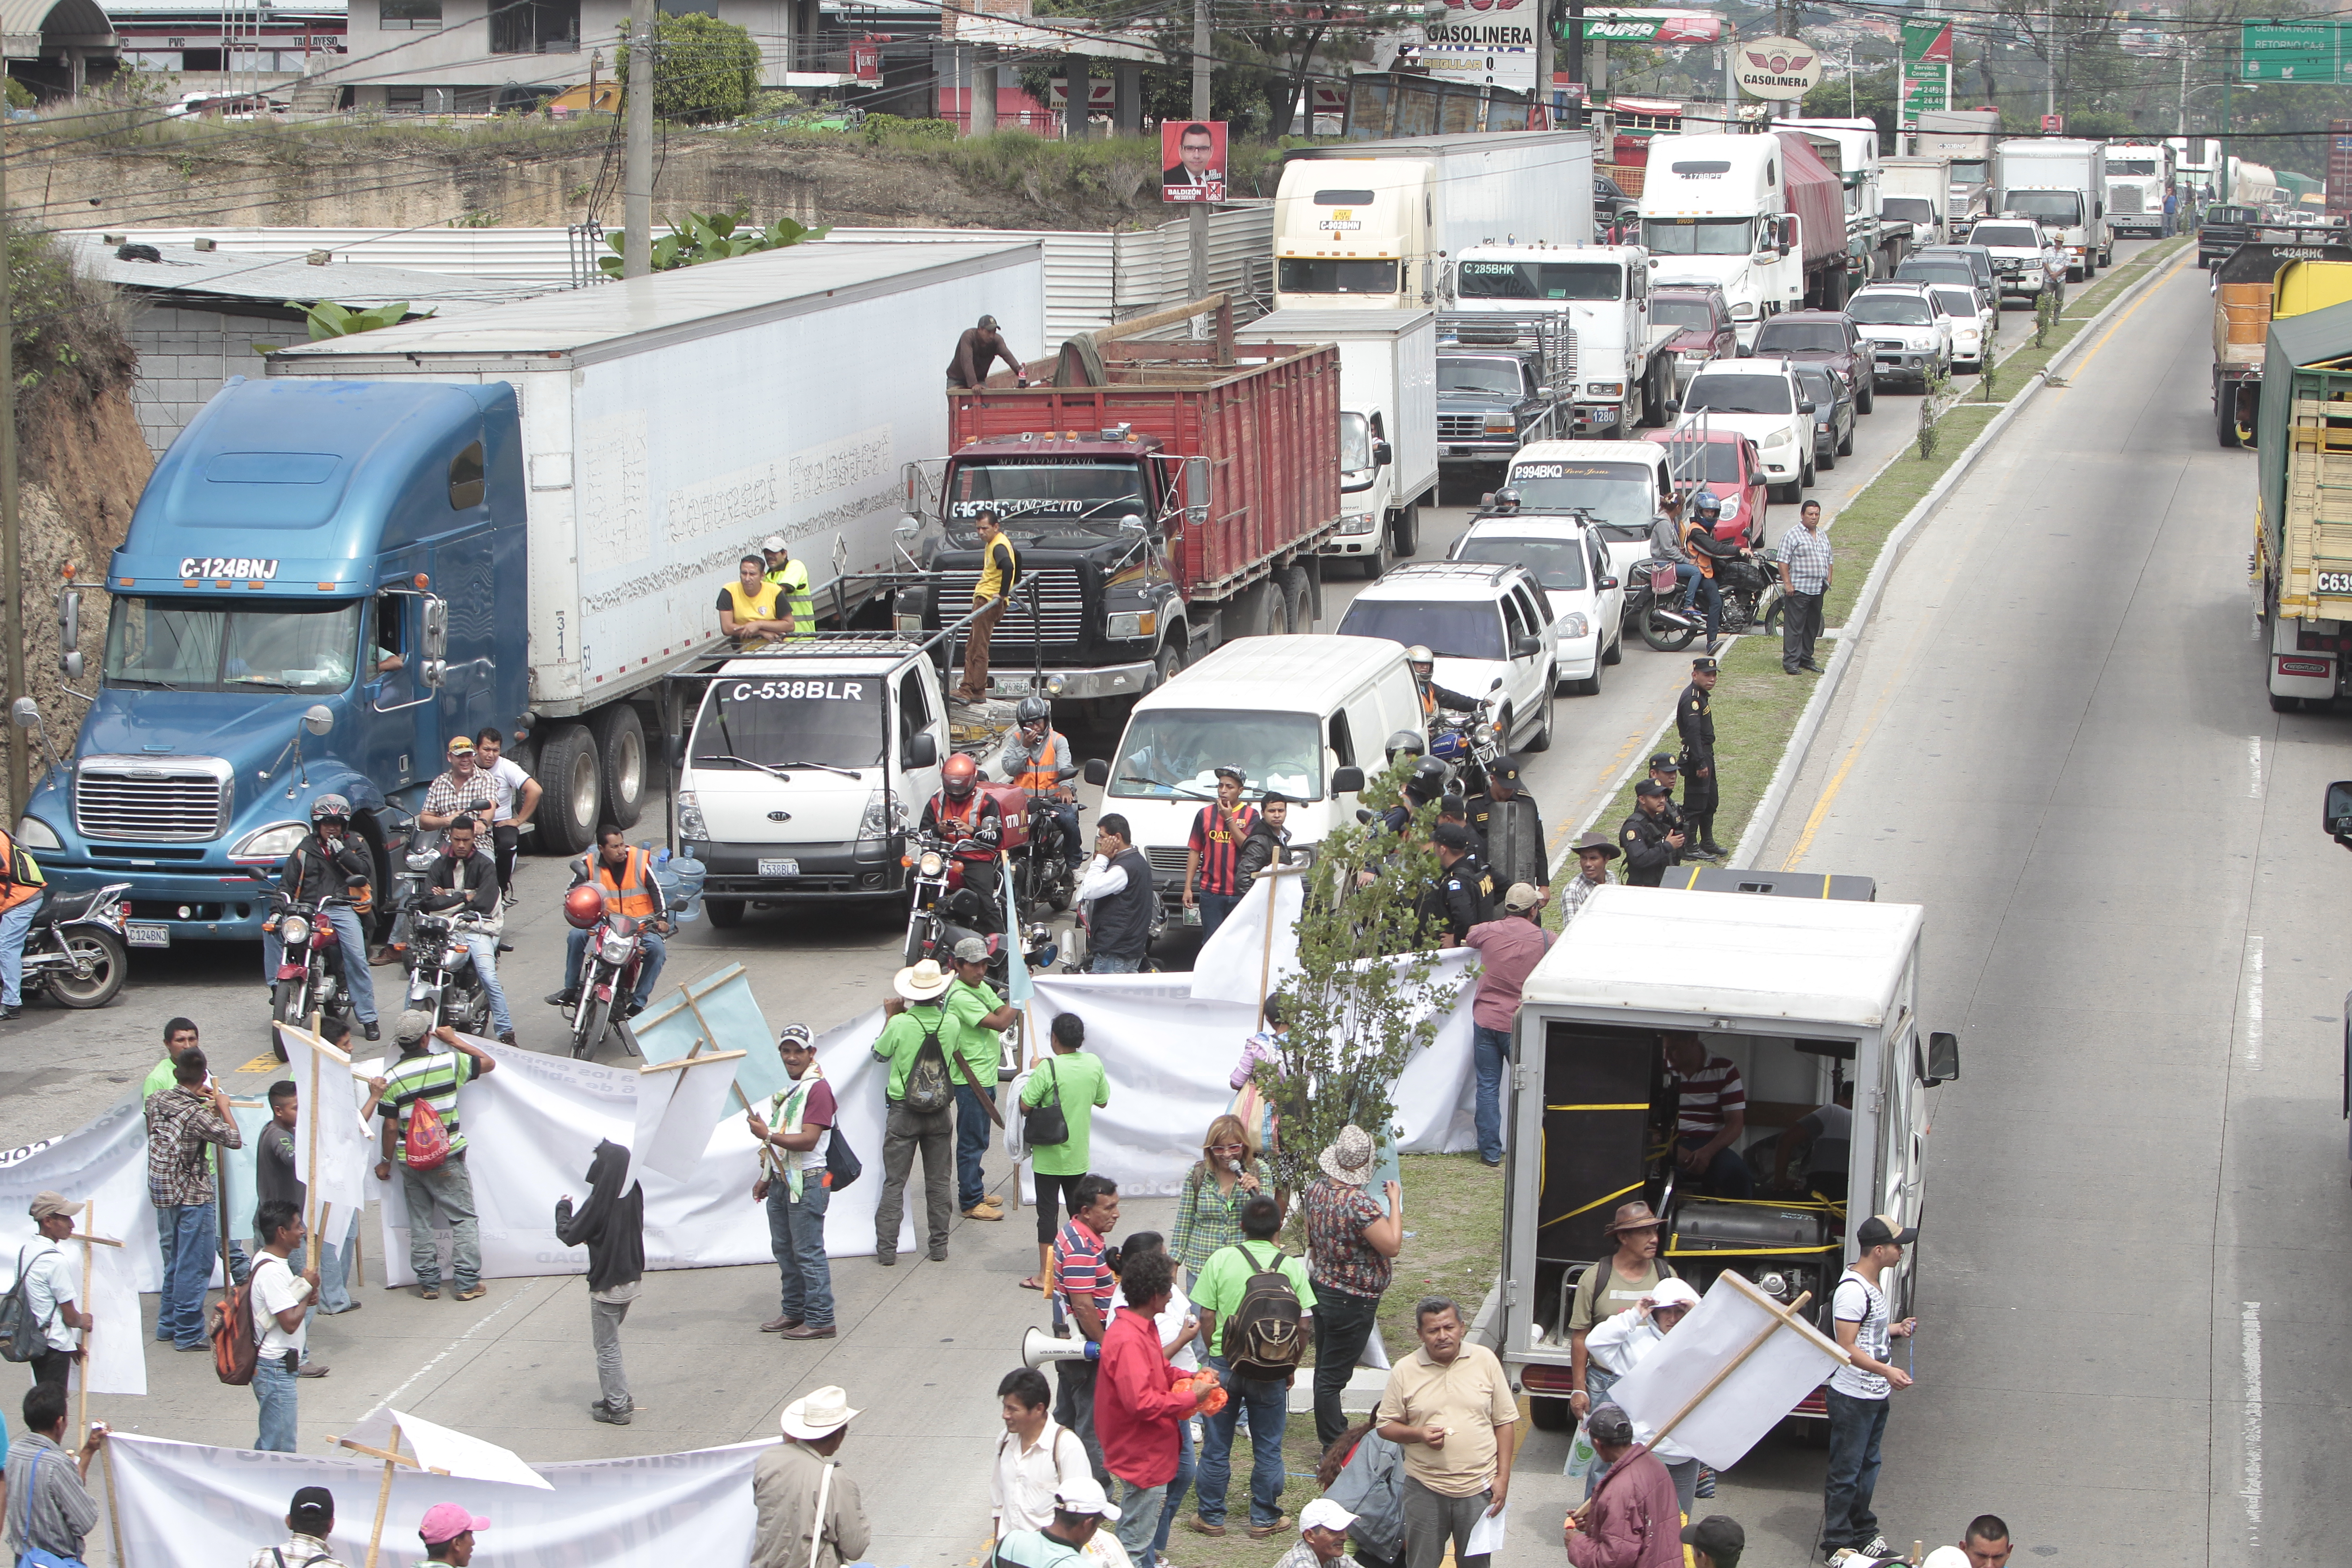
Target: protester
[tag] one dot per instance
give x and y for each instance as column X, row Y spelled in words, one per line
column 916, row 1025
column 1617, row 1282
column 1268, row 843
column 179, row 1121
column 514, row 798
column 1322, row 1536
column 179, row 1038
column 52, row 1290
column 1209, row 1205
column 1218, row 1295
column 1623, row 1343
column 1250, row 1106
column 1140, row 1400
column 309, row 1520
column 1083, row 1288
column 1986, row 1541
column 275, row 1177
column 1116, row 899
column 1080, row 1510
column 1632, row 1520
column 23, row 890
column 1508, row 947
column 1716, row 1541
column 1212, row 863
column 1180, row 1327
column 612, row 1225
column 1349, row 1240
column 789, row 1481
column 1364, row 1472
column 1449, row 1405
column 49, row 1505
column 1712, row 1119
column 1073, row 1078
column 447, row 1530
column 1036, row 1457
column 800, row 1122
column 423, row 1077
column 975, row 1014
column 1860, row 1390
column 1593, row 853
column 282, row 1299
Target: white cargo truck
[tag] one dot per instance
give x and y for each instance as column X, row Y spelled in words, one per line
column 1916, row 190
column 2139, row 176
column 1623, row 375
column 1964, row 136
column 2061, row 184
column 1388, row 422
column 1378, row 224
column 1876, row 241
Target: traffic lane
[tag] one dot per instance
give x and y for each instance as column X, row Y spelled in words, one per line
column 2073, row 624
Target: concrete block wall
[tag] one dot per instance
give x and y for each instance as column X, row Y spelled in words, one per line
column 186, row 354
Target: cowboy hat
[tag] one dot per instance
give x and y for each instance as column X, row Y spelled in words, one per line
column 1348, row 1160
column 1635, row 1216
column 1594, row 841
column 820, row 1413
column 922, row 981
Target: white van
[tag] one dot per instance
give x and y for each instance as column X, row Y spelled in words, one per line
column 1622, row 483
column 1307, row 717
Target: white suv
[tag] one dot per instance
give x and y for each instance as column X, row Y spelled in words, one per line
column 1909, row 331
column 1571, row 564
column 2022, row 256
column 1761, row 400
column 1490, row 627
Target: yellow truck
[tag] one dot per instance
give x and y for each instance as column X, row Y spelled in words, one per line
column 2253, row 286
column 2302, row 563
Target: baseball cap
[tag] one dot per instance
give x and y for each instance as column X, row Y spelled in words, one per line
column 1234, row 773
column 773, row 544
column 313, row 1512
column 1324, row 1514
column 972, row 950
column 413, row 1026
column 46, row 1205
column 459, row 743
column 1719, row 1536
column 1649, row 786
column 1453, row 836
column 1519, row 899
column 1879, row 1230
column 1080, row 1494
column 446, row 1522
column 1609, row 1424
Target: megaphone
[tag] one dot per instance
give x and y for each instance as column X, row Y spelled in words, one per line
column 1038, row 1347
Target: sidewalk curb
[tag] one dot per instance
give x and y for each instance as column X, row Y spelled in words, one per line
column 1765, row 819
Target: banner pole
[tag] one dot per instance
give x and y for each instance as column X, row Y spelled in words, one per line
column 114, row 1508
column 88, row 1229
column 383, row 1496
column 310, row 1189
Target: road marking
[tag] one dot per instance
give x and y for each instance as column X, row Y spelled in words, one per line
column 529, row 1288
column 2150, row 292
column 2250, row 1363
column 2254, row 1008
column 2253, row 767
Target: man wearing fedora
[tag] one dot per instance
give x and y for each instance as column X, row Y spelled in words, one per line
column 809, row 1512
column 1508, row 947
column 1350, row 1239
column 1613, row 1285
column 52, row 1291
column 1593, row 853
column 917, row 1022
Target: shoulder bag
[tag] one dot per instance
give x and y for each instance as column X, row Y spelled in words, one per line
column 1044, row 1125
column 34, row 1556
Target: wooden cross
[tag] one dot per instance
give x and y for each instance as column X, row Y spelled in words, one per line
column 89, row 1238
column 392, row 1459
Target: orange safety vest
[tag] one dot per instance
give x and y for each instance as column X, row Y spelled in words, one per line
column 1041, row 772
column 632, row 895
column 966, row 817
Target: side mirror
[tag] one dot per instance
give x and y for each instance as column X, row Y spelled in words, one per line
column 2337, row 822
column 318, row 719
column 1807, row 407
column 1196, row 486
column 24, row 713
column 908, row 527
column 1347, row 781
column 69, row 617
column 1674, row 409
column 1943, row 1059
column 434, row 655
column 675, row 748
column 1608, row 583
column 1525, row 647
column 1747, row 350
column 1097, row 771
column 1383, row 454
column 1498, row 680
column 922, row 750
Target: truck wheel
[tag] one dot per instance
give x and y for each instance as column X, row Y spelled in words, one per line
column 1408, row 534
column 1376, row 564
column 2225, row 415
column 1867, row 397
column 569, row 772
column 621, row 759
column 1260, row 611
column 1298, row 612
column 1550, row 1414
column 725, row 913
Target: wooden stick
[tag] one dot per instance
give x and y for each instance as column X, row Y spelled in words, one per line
column 686, row 1061
column 310, row 1189
column 392, row 1459
column 114, row 1508
column 1780, row 1320
column 89, row 1226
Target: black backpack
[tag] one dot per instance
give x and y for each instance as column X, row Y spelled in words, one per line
column 841, row 1167
column 928, row 1090
column 22, row 1335
column 1262, row 1341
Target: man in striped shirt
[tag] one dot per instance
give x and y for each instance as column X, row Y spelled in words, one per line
column 1714, row 1114
column 433, row 1077
column 1211, row 857
column 1083, row 1286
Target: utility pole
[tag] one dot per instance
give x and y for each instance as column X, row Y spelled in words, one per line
column 1542, row 96
column 12, row 630
column 1198, row 280
column 637, row 160
column 2050, row 57
column 2183, row 131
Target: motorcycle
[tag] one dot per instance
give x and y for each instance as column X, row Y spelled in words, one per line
column 1043, row 878
column 310, row 960
column 944, row 911
column 1751, row 594
column 75, row 948
column 1468, row 742
column 1654, row 608
column 608, row 977
column 441, row 980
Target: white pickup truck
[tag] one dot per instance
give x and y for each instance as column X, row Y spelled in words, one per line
column 1623, row 373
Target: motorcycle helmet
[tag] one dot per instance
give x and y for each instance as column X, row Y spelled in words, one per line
column 1407, row 742
column 1506, row 500
column 957, row 775
column 1705, row 507
column 1420, row 660
column 328, row 806
column 583, row 906
column 1032, row 710
column 1428, row 781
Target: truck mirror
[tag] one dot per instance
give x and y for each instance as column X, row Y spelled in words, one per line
column 24, row 713
column 1348, row 780
column 1097, row 773
column 71, row 664
column 1499, row 682
column 1196, row 486
column 2338, row 820
column 922, row 750
column 70, row 617
column 437, row 629
column 1943, row 1059
column 318, row 718
column 908, row 527
column 1382, row 454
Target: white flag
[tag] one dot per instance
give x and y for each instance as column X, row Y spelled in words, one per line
column 440, row 1448
column 329, row 1127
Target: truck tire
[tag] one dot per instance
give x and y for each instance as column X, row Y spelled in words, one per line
column 621, row 762
column 574, row 783
column 1297, row 602
column 1376, row 564
column 725, row 913
column 1170, row 662
column 1260, row 613
column 1550, row 1415
column 1408, row 534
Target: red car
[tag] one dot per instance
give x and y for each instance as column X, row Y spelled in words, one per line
column 1727, row 463
column 1702, row 319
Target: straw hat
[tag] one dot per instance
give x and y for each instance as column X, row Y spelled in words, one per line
column 820, row 1413
column 1350, row 1157
column 923, row 982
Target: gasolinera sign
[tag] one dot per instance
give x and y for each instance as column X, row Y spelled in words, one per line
column 1776, row 68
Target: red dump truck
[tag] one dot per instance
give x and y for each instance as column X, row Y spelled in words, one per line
column 1164, row 498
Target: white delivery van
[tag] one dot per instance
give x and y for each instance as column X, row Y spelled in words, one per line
column 1624, row 484
column 1307, row 717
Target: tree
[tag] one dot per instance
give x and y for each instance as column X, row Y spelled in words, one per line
column 328, row 320
column 710, row 236
column 705, row 68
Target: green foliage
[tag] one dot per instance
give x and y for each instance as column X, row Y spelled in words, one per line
column 1932, row 399
column 711, row 237
column 20, row 96
column 897, row 128
column 328, row 320
column 2045, row 313
column 69, row 338
column 707, row 69
column 1355, row 1014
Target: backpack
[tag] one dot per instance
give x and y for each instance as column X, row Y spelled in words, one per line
column 927, row 1090
column 428, row 1139
column 1262, row 1338
column 236, row 1348
column 1044, row 1126
column 22, row 1337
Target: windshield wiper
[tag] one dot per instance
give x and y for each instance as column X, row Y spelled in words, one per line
column 777, row 771
column 143, row 685
column 1186, row 789
column 828, row 767
column 260, row 680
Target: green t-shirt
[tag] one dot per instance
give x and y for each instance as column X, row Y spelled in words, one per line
column 980, row 1048
column 1222, row 1283
column 1084, row 1085
column 902, row 1040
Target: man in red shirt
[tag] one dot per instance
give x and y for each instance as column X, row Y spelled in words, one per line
column 1083, row 1286
column 1509, row 950
column 1211, row 857
column 1137, row 1403
column 1632, row 1520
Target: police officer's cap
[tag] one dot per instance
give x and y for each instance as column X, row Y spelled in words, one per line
column 1663, row 762
column 1505, row 770
column 1649, row 787
column 1453, row 836
column 1702, row 667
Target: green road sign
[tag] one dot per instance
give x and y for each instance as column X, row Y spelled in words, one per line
column 2293, row 51
column 1926, row 88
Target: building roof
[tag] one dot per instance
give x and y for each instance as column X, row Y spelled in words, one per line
column 216, row 10
column 188, row 274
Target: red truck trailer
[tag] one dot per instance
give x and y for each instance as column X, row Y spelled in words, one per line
column 1164, row 498
column 1817, row 196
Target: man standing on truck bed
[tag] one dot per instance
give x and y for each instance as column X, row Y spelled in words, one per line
column 750, row 609
column 1000, row 568
column 978, row 348
column 791, row 582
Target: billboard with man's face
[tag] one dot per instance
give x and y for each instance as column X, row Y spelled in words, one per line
column 1193, row 155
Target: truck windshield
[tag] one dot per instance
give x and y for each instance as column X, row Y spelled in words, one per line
column 1173, row 753
column 1698, row 236
column 1299, row 275
column 1355, row 444
column 1613, row 492
column 2006, row 236
column 1681, row 312
column 1038, row 497
column 1797, row 337
column 2062, row 208
column 1889, row 309
column 788, row 718
column 1557, row 562
column 1542, row 280
column 2139, row 167
column 1970, row 171
column 1735, row 393
column 1458, row 374
column 224, row 645
column 1452, row 628
column 1908, row 209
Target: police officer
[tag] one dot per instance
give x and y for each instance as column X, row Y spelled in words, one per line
column 1511, row 830
column 1665, row 771
column 1426, row 783
column 1694, row 719
column 1456, row 899
column 1650, row 845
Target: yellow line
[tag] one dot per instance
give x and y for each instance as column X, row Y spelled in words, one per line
column 2116, row 325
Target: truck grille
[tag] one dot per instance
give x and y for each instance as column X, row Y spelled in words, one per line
column 1061, row 608
column 1460, row 426
column 2124, row 199
column 1166, row 860
column 146, row 804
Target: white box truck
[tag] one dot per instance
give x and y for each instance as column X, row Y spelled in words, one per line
column 1377, row 225
column 1917, row 189
column 1388, row 422
column 2062, row 185
column 1964, row 136
column 1622, row 377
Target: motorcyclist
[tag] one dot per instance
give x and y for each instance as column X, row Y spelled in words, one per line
column 1667, row 544
column 1038, row 758
column 331, row 861
column 1709, row 554
column 466, row 877
column 964, row 811
column 1433, row 696
column 625, row 876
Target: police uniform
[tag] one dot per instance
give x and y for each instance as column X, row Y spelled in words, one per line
column 1461, row 896
column 1678, row 822
column 1694, row 720
column 1647, row 853
column 1510, row 832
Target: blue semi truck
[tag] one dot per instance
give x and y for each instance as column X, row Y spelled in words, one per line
column 520, row 519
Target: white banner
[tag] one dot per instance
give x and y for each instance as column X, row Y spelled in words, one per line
column 1238, row 963
column 1745, row 1365
column 455, row 1453
column 117, row 1343
column 186, row 1503
column 107, row 1159
column 329, row 1100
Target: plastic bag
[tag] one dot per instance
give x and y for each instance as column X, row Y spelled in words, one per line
column 1581, row 1454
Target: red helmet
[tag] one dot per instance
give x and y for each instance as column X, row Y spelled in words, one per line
column 957, row 775
column 583, row 906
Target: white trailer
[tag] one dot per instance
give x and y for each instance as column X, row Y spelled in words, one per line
column 1377, row 225
column 1964, row 136
column 1916, row 190
column 2062, row 185
column 1603, row 293
column 1388, row 422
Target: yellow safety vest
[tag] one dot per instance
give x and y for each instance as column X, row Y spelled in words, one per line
column 793, row 581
